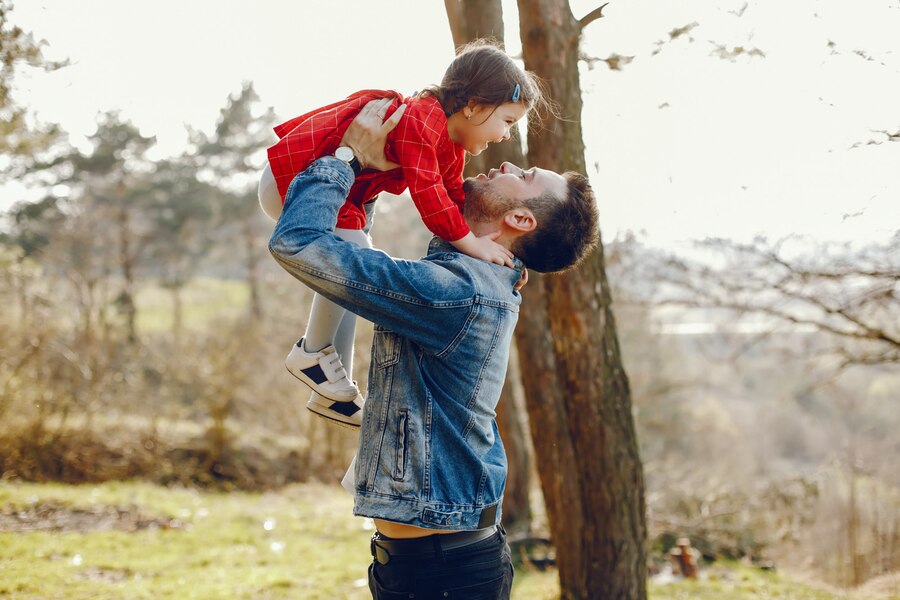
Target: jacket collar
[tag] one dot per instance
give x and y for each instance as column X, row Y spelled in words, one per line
column 439, row 245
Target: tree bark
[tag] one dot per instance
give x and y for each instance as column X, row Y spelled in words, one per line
column 252, row 254
column 470, row 20
column 512, row 424
column 126, row 262
column 576, row 389
column 473, row 19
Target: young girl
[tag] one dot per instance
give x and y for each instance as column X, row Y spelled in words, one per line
column 483, row 94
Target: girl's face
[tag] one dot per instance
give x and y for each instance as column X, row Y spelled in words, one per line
column 477, row 125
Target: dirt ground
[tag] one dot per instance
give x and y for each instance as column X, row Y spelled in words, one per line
column 57, row 517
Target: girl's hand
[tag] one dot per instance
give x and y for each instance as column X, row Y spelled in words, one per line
column 485, row 248
column 368, row 133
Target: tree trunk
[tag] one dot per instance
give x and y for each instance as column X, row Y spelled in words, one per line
column 576, row 390
column 471, row 20
column 512, row 423
column 126, row 261
column 177, row 311
column 251, row 247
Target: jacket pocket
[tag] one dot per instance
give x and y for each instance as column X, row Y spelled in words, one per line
column 400, row 458
column 385, row 348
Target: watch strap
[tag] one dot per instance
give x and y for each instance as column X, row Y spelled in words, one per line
column 354, row 164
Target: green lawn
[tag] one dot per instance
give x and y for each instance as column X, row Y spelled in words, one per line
column 203, row 298
column 301, row 542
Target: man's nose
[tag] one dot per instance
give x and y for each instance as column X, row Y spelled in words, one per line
column 508, row 167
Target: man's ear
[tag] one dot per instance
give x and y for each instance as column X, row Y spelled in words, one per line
column 520, row 220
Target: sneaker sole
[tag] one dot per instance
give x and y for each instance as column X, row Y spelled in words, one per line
column 328, row 417
column 315, row 387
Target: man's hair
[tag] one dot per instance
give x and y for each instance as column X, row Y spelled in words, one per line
column 483, row 72
column 567, row 228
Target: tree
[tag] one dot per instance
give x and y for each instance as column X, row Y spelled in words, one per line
column 826, row 313
column 850, row 296
column 113, row 178
column 181, row 207
column 575, row 386
column 32, row 225
column 471, row 20
column 230, row 159
column 19, row 139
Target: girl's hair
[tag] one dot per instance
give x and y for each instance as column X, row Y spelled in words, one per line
column 483, row 72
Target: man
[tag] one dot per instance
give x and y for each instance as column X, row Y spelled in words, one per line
column 431, row 468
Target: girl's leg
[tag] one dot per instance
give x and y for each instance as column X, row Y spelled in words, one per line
column 346, row 333
column 324, row 321
column 328, row 371
column 343, row 341
column 269, row 198
column 329, row 323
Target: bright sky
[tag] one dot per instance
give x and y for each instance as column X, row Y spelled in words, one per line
column 680, row 144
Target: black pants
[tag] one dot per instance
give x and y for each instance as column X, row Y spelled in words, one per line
column 478, row 571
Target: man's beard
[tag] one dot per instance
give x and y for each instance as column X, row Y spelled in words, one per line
column 482, row 204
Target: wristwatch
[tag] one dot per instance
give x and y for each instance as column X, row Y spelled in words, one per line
column 345, row 153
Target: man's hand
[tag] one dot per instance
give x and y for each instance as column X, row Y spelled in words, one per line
column 367, row 134
column 522, row 281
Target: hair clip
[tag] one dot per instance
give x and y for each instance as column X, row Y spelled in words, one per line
column 516, row 92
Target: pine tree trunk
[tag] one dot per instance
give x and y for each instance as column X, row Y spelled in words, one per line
column 251, row 248
column 126, row 261
column 576, row 390
column 471, row 20
column 177, row 311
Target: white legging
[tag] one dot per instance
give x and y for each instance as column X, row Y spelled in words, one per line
column 328, row 323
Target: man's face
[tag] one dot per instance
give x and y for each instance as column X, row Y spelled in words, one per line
column 489, row 196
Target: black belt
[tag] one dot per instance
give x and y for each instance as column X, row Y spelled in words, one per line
column 383, row 548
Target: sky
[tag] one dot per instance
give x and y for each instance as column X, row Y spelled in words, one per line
column 680, row 143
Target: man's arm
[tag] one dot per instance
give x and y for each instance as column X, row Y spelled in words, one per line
column 425, row 301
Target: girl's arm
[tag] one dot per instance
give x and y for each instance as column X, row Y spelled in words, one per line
column 415, row 143
column 485, row 248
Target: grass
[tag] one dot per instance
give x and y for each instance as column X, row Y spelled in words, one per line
column 203, row 298
column 727, row 581
column 301, row 542
column 731, row 580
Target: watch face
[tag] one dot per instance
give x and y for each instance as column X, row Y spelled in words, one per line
column 344, row 153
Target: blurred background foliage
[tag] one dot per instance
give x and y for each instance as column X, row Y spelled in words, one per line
column 143, row 332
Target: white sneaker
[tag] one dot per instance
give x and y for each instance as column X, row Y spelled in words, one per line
column 345, row 414
column 322, row 371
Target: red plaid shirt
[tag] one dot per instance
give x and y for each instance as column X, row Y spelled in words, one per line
column 431, row 164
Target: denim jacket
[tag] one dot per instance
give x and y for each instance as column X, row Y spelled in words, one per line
column 429, row 451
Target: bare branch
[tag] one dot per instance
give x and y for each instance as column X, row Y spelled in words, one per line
column 675, row 34
column 592, row 16
column 722, row 51
column 614, row 61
